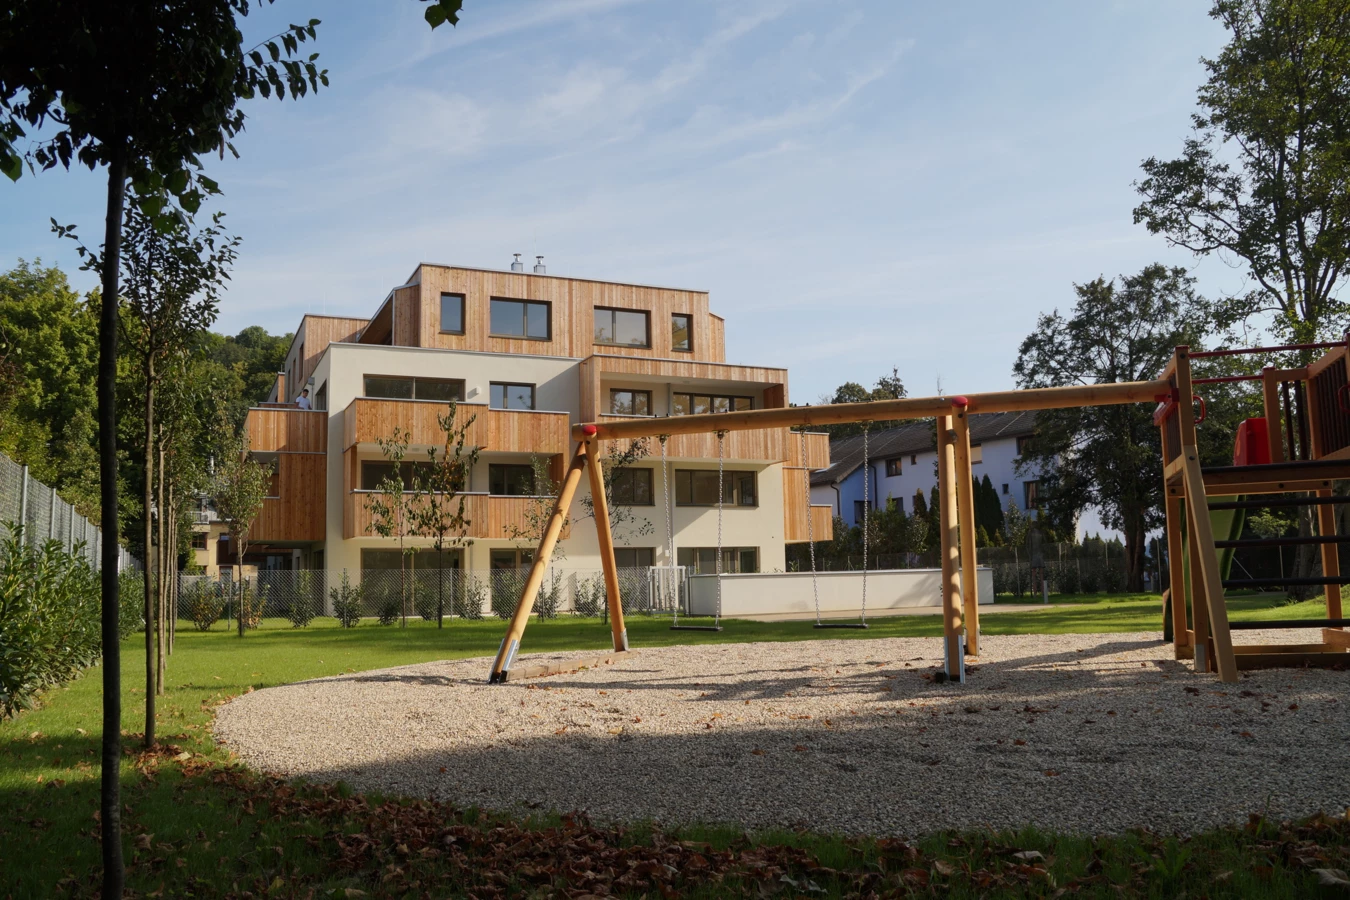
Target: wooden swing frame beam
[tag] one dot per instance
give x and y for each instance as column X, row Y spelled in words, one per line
column 960, row 619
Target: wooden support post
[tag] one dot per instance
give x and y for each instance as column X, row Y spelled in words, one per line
column 965, row 497
column 1270, row 395
column 1176, row 575
column 949, row 533
column 507, row 652
column 600, row 506
column 1206, row 559
column 1331, row 560
column 1199, row 634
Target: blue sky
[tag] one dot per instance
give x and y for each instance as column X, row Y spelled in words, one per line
column 858, row 185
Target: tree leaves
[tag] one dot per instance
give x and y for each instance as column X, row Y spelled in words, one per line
column 442, row 11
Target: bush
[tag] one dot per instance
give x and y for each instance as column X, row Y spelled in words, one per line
column 550, row 596
column 389, row 611
column 1113, row 579
column 468, row 602
column 205, row 604
column 131, row 603
column 1066, row 577
column 49, row 619
column 589, row 596
column 346, row 602
column 1091, row 581
column 506, row 585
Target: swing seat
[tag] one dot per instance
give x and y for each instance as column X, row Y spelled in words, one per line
column 841, row 625
column 696, row 628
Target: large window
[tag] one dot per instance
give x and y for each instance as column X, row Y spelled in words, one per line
column 1031, row 495
column 404, row 387
column 703, row 560
column 682, row 332
column 695, row 404
column 622, row 327
column 626, row 402
column 375, row 471
column 634, row 557
column 698, row 487
column 452, row 313
column 1024, row 445
column 893, row 467
column 521, row 319
column 426, row 558
column 510, row 480
column 631, row 487
column 512, row 396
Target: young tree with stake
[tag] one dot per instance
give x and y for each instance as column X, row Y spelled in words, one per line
column 438, row 512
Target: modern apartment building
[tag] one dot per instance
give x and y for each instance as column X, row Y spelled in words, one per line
column 528, row 355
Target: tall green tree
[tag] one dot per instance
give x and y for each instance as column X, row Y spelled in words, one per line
column 237, row 491
column 1107, row 456
column 1265, row 176
column 888, row 387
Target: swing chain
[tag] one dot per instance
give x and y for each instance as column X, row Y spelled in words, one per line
column 867, row 515
column 810, row 531
column 721, row 442
column 670, row 533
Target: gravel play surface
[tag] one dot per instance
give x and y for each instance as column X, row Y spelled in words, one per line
column 1091, row 733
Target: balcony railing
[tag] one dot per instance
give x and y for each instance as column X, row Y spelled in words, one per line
column 760, row 445
column 490, row 517
column 287, row 430
column 367, row 419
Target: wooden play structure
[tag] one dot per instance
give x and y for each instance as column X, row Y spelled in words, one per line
column 1298, row 450
column 1316, row 432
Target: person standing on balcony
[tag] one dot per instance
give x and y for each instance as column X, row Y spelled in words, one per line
column 303, row 402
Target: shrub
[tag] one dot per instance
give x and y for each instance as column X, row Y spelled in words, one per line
column 550, row 596
column 1113, row 579
column 1066, row 577
column 506, row 585
column 1091, row 581
column 389, row 611
column 205, row 604
column 131, row 603
column 589, row 596
column 49, row 619
column 469, row 599
column 346, row 602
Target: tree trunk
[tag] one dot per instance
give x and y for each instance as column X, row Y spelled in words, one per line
column 162, row 581
column 440, row 588
column 110, row 803
column 173, row 568
column 1135, row 541
column 150, row 567
column 1307, row 558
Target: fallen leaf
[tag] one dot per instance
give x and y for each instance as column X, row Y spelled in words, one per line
column 757, row 752
column 1332, row 877
column 1020, row 743
column 1029, row 855
column 944, row 869
column 1051, row 772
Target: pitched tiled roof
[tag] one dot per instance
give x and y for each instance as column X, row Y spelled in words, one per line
column 846, row 454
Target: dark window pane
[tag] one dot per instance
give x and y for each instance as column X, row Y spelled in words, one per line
column 512, row 396
column 702, row 404
column 748, row 560
column 507, row 318
column 452, row 313
column 381, row 559
column 632, row 487
column 745, row 489
column 683, row 404
column 442, row 389
column 604, row 326
column 393, row 388
column 633, row 557
column 630, row 328
column 510, row 481
column 536, row 320
column 721, row 404
column 681, row 332
column 744, row 402
column 642, row 403
column 705, row 488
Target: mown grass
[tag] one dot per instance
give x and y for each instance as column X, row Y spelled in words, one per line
column 199, row 826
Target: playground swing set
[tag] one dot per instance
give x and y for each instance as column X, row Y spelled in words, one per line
column 1314, row 421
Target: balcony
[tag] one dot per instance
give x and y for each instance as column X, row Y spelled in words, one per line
column 490, row 517
column 286, row 430
column 765, row 445
column 796, row 507
column 367, row 419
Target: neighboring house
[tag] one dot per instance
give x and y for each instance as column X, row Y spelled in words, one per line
column 210, row 540
column 903, row 461
column 529, row 355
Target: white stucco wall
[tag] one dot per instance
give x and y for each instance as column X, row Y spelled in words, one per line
column 789, row 593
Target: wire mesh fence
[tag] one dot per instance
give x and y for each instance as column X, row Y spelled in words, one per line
column 46, row 517
column 387, row 596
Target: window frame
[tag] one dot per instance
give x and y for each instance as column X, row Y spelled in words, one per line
column 649, row 551
column 651, row 486
column 712, row 398
column 976, row 454
column 524, row 319
column 728, row 553
column 647, row 415
column 413, row 379
column 734, row 476
column 463, row 325
column 647, row 326
column 1024, row 444
column 688, row 330
column 534, row 395
column 494, row 467
column 1031, row 495
column 894, row 467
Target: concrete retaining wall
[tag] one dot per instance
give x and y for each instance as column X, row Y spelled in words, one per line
column 781, row 593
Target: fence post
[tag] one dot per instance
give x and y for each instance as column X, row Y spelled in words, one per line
column 23, row 501
column 51, row 515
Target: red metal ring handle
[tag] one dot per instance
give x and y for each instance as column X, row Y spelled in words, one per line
column 1203, row 412
column 1340, row 398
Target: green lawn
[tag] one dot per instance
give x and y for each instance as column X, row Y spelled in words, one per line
column 197, row 825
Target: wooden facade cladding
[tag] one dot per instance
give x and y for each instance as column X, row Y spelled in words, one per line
column 572, row 301
column 287, row 430
column 298, row 512
column 795, row 507
column 817, row 451
column 491, row 518
column 312, row 339
column 499, row 430
column 601, row 367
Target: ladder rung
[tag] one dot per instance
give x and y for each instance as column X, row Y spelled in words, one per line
column 1286, row 582
column 1289, row 623
column 1286, row 541
column 1291, row 466
column 1280, row 501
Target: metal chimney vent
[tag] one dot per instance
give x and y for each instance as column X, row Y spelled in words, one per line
column 539, row 266
column 516, row 264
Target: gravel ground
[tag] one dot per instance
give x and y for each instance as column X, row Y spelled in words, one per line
column 1089, row 733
